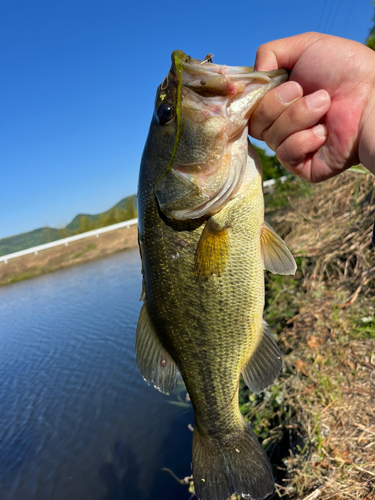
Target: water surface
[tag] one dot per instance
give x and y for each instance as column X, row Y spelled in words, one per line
column 77, row 421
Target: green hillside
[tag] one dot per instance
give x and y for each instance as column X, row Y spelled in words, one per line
column 124, row 210
column 27, row 240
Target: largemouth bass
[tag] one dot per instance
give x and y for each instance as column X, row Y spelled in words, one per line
column 204, row 246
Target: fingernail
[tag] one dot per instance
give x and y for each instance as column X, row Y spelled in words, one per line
column 317, row 99
column 289, row 92
column 320, row 130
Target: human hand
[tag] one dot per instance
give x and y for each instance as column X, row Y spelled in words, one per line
column 321, row 121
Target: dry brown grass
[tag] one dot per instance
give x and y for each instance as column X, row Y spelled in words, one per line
column 329, row 387
column 328, row 382
column 332, row 232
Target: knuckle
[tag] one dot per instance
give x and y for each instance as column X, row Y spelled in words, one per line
column 269, row 138
column 257, row 134
column 260, row 119
column 261, row 112
column 260, row 50
column 291, row 151
column 267, row 135
column 295, row 113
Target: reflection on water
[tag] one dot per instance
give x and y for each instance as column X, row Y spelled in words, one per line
column 77, row 421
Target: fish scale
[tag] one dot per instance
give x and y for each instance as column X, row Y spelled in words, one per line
column 204, row 274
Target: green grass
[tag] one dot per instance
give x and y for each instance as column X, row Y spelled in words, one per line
column 285, row 192
column 89, row 247
column 26, row 276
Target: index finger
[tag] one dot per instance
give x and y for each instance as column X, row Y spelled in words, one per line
column 284, row 53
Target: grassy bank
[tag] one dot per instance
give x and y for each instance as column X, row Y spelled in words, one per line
column 317, row 422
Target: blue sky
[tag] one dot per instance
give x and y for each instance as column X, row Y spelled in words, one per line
column 78, row 81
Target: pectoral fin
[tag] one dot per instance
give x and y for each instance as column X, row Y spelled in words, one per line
column 212, row 251
column 277, row 257
column 156, row 365
column 264, row 365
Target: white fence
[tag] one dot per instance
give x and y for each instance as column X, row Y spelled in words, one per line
column 96, row 232
column 66, row 241
column 268, row 184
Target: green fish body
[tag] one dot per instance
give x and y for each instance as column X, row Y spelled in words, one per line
column 204, row 246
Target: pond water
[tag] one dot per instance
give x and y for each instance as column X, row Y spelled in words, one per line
column 77, row 421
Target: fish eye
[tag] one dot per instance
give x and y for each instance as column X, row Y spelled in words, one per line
column 165, row 113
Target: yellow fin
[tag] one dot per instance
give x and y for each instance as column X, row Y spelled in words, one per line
column 212, row 251
column 277, row 257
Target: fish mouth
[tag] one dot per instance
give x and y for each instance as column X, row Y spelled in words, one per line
column 209, row 79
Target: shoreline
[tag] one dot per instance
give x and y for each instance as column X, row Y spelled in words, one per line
column 77, row 252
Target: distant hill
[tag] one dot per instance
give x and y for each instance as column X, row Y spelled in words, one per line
column 27, row 240
column 124, row 210
column 126, row 204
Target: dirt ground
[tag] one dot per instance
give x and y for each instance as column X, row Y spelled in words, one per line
column 61, row 256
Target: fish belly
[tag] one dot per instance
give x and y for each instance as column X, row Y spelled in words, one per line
column 211, row 327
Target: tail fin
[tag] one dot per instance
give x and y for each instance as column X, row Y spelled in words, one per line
column 235, row 464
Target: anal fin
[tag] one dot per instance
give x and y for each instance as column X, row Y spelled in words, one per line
column 156, row 365
column 277, row 257
column 213, row 247
column 264, row 365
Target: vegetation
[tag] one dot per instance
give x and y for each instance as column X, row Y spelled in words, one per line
column 88, row 248
column 124, row 210
column 370, row 41
column 317, row 421
column 27, row 240
column 272, row 168
column 284, row 194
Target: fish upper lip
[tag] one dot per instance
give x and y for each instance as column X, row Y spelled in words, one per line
column 194, row 69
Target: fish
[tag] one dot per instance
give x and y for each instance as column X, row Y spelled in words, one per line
column 204, row 246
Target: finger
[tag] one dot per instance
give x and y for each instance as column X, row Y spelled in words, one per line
column 271, row 106
column 301, row 115
column 300, row 153
column 284, row 53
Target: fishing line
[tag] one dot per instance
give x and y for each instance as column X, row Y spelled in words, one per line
column 326, row 24
column 334, row 17
column 322, row 16
column 349, row 14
